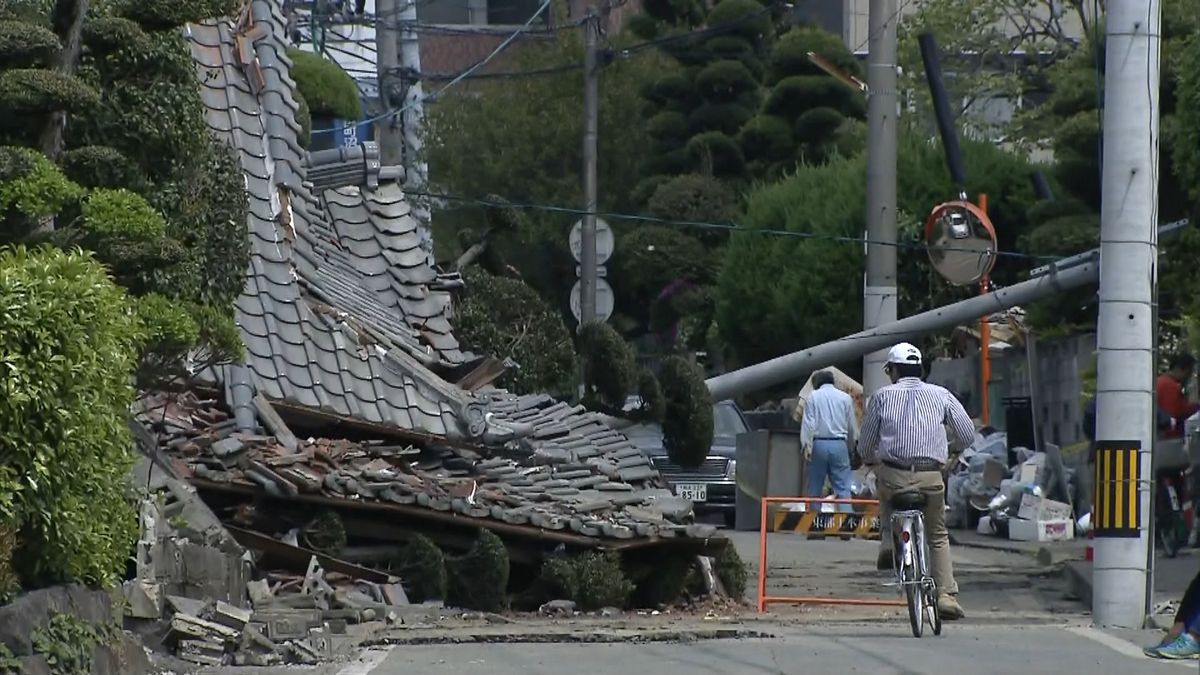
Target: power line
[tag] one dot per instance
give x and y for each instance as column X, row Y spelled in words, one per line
column 459, row 78
column 703, row 225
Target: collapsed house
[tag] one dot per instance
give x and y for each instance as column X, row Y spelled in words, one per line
column 355, row 396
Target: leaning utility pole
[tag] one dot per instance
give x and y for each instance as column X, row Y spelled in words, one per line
column 1125, row 397
column 387, row 66
column 591, row 124
column 879, row 290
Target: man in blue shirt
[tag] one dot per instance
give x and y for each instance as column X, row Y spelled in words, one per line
column 826, row 432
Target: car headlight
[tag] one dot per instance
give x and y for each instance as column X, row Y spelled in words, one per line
column 731, row 469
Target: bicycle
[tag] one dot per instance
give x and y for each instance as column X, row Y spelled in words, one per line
column 1170, row 526
column 910, row 553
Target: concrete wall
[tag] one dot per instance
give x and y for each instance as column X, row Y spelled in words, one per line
column 1060, row 366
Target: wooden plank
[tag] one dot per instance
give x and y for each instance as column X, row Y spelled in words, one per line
column 298, row 557
column 275, row 423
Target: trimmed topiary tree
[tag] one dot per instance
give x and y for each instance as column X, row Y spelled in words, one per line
column 609, row 367
column 422, row 567
column 326, row 88
column 688, row 417
column 64, row 440
column 505, row 318
column 592, row 580
column 479, row 579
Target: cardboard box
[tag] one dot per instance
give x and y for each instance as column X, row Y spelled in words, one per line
column 994, row 473
column 1040, row 508
column 1040, row 530
column 1027, row 472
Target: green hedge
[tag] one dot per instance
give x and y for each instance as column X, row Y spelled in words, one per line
column 722, row 81
column 591, row 580
column 789, row 56
column 726, row 118
column 327, row 89
column 63, row 433
column 304, row 121
column 24, row 44
column 31, row 91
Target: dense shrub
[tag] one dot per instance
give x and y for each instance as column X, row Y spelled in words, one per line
column 766, row 138
column 725, row 118
column 479, row 579
column 109, row 34
column 304, row 121
column 789, row 55
column 171, row 13
column 23, row 44
column 505, row 318
column 31, row 91
column 326, row 88
column 732, row 571
column 741, row 18
column 717, row 154
column 688, row 418
column 31, row 188
column 100, row 166
column 694, row 197
column 422, row 566
column 65, row 447
column 609, row 366
column 591, row 580
column 725, row 80
column 121, row 214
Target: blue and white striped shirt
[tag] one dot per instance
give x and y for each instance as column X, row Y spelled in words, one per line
column 906, row 422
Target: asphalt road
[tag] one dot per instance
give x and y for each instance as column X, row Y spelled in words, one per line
column 878, row 648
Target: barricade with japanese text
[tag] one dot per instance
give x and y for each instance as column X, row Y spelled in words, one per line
column 863, row 523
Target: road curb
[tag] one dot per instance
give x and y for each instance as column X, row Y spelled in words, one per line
column 1079, row 581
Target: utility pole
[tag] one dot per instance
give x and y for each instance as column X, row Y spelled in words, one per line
column 1125, row 405
column 387, row 64
column 879, row 290
column 591, row 124
column 413, row 120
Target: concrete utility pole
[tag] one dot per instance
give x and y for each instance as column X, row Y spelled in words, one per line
column 1125, row 405
column 879, row 290
column 387, row 63
column 413, row 119
column 591, row 125
column 799, row 364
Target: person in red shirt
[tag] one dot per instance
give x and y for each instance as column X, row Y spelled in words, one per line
column 1171, row 399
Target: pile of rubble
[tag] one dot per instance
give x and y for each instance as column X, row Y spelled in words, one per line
column 1008, row 491
column 544, row 490
column 292, row 619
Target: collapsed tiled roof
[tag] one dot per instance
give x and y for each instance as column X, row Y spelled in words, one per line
column 546, row 489
column 343, row 310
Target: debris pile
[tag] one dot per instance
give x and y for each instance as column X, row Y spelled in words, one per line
column 1007, row 492
column 292, row 619
column 549, row 490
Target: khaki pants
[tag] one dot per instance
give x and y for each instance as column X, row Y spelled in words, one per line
column 890, row 481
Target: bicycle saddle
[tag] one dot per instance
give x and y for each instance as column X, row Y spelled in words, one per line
column 909, row 501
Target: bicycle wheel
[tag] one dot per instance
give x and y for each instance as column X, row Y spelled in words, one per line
column 1171, row 534
column 934, row 612
column 915, row 594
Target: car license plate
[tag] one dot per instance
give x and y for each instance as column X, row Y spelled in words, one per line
column 696, row 492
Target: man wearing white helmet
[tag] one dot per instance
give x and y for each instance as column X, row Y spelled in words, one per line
column 903, row 437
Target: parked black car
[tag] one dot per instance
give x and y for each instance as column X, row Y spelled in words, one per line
column 712, row 486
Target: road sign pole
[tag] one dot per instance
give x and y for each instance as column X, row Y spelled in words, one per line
column 591, row 118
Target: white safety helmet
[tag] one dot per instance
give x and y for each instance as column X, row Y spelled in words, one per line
column 904, row 354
